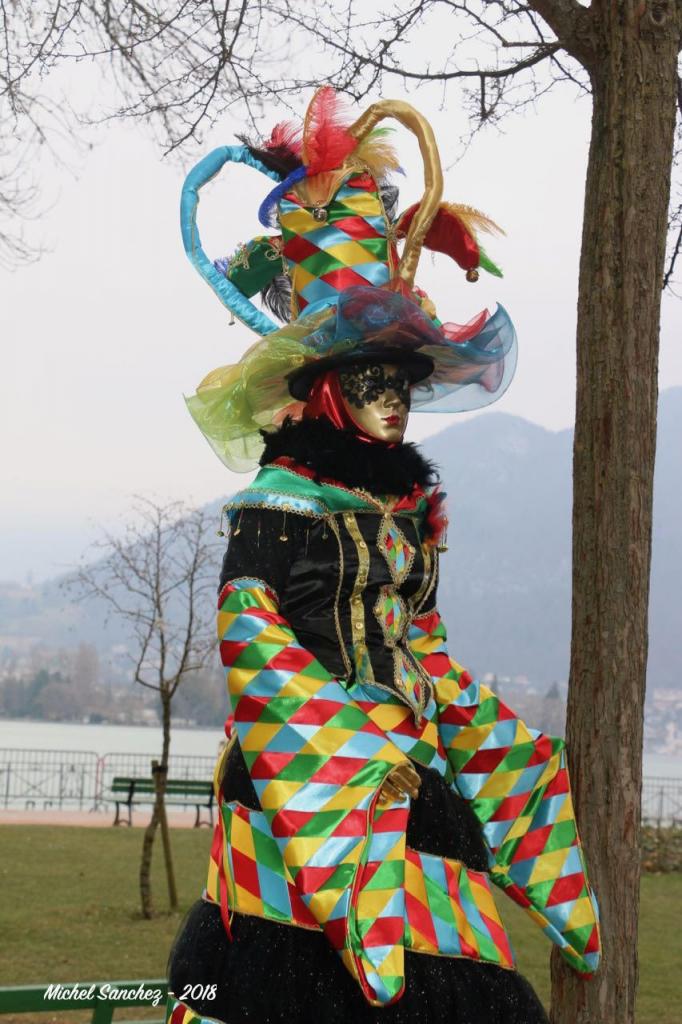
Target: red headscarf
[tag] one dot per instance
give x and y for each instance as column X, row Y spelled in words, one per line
column 326, row 399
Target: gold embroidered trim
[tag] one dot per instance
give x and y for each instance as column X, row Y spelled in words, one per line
column 387, row 523
column 250, row 579
column 418, row 608
column 274, row 250
column 400, row 652
column 337, row 599
column 419, row 596
column 357, row 608
column 240, row 259
column 283, row 507
column 391, row 638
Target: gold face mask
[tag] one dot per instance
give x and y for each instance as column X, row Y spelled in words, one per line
column 377, row 397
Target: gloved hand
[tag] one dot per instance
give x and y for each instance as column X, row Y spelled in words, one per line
column 401, row 782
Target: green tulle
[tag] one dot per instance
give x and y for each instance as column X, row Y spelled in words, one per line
column 234, row 403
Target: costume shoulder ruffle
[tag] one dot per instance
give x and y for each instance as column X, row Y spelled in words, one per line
column 287, row 487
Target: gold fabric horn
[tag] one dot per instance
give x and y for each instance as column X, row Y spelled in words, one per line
column 433, row 174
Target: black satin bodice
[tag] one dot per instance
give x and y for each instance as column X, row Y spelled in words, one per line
column 348, row 588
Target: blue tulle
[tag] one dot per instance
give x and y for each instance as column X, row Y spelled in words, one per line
column 467, row 374
column 471, row 374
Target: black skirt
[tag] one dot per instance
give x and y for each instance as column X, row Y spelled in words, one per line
column 274, row 973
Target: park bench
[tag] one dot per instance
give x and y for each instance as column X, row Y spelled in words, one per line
column 127, row 791
column 103, row 999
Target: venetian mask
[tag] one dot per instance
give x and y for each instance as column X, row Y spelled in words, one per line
column 377, row 397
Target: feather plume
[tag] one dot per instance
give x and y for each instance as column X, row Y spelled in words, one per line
column 389, row 197
column 286, row 135
column 281, row 161
column 376, row 153
column 276, row 297
column 472, row 219
column 326, row 139
column 453, row 233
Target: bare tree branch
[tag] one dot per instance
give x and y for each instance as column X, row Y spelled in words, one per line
column 572, row 24
column 153, row 578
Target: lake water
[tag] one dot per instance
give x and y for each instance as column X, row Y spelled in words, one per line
column 136, row 739
column 106, row 739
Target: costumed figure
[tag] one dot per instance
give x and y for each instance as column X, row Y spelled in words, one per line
column 372, row 793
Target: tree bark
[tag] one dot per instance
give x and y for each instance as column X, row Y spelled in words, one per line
column 146, row 864
column 621, row 274
column 158, row 818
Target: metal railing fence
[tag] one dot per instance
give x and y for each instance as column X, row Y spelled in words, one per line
column 80, row 779
column 662, row 802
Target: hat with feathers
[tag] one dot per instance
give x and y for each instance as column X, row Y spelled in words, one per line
column 338, row 268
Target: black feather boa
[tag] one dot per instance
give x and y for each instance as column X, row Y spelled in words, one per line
column 339, row 455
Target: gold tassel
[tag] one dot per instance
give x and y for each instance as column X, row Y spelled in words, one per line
column 220, row 531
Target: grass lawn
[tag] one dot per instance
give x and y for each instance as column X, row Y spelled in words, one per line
column 70, row 912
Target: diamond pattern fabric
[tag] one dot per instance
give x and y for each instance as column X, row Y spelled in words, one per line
column 391, row 614
column 349, row 247
column 516, row 781
column 393, row 544
column 317, row 763
column 446, row 908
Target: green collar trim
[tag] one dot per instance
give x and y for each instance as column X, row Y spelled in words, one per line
column 280, row 488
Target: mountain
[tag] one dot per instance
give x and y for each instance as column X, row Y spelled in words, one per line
column 505, row 580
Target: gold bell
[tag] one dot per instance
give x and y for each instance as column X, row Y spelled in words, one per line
column 472, row 275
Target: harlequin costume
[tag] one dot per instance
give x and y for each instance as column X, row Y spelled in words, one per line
column 323, row 902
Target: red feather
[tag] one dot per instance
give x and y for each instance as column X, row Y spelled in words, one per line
column 326, row 139
column 447, row 234
column 286, row 135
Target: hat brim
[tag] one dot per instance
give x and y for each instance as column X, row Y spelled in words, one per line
column 418, row 365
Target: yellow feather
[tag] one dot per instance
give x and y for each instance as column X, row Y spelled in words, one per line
column 378, row 155
column 473, row 220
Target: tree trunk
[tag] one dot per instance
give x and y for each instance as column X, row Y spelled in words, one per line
column 161, row 805
column 621, row 272
column 146, row 864
column 158, row 817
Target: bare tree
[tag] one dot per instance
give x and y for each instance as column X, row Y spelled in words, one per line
column 156, row 578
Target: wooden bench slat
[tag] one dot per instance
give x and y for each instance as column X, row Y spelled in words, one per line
column 129, row 790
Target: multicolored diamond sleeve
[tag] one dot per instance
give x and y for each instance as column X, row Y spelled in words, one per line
column 516, row 781
column 317, row 762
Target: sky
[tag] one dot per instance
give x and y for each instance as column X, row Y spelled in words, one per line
column 102, row 337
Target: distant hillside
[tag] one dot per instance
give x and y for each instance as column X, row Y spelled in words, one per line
column 505, row 583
